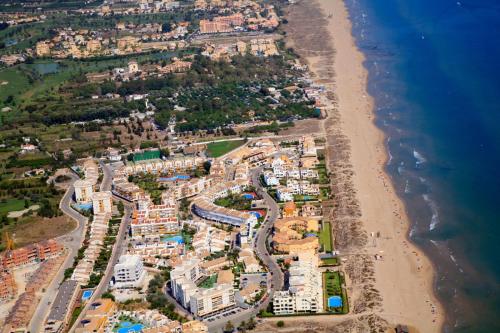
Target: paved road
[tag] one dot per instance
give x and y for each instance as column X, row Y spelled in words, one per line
column 118, row 249
column 72, row 241
column 277, row 277
column 264, row 232
column 107, row 177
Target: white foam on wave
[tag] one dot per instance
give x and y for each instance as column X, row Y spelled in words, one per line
column 434, row 210
column 412, row 231
column 407, row 187
column 453, row 259
column 420, row 159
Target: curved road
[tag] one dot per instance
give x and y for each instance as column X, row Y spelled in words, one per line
column 72, row 242
column 261, row 250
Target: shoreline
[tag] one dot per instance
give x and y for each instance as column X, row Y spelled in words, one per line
column 404, row 278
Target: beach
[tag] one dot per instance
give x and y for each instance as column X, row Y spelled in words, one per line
column 389, row 279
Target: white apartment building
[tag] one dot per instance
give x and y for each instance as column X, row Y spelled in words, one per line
column 149, row 219
column 284, row 193
column 198, row 301
column 270, row 179
column 183, row 278
column 207, row 301
column 83, row 191
column 305, row 292
column 129, row 272
column 101, row 202
column 303, row 187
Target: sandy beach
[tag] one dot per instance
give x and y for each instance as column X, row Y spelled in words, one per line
column 389, row 279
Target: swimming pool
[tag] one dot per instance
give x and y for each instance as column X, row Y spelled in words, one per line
column 174, row 178
column 255, row 213
column 128, row 327
column 334, row 301
column 248, row 196
column 177, row 238
column 84, row 206
column 86, row 294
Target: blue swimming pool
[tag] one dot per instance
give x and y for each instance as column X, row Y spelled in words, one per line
column 128, row 327
column 86, row 294
column 334, row 301
column 256, row 214
column 174, row 178
column 248, row 196
column 84, row 206
column 176, row 238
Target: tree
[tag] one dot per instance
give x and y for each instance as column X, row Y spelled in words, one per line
column 109, row 295
column 280, row 323
column 165, row 152
column 120, row 207
column 251, row 323
column 206, row 166
column 229, row 328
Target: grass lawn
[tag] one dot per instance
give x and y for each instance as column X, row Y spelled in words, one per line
column 329, row 262
column 332, row 286
column 209, row 282
column 11, row 205
column 17, row 81
column 325, row 237
column 216, row 149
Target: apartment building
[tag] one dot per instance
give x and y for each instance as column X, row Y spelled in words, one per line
column 183, row 278
column 30, row 254
column 98, row 317
column 288, row 236
column 129, row 272
column 204, row 206
column 207, row 301
column 83, row 191
column 164, row 166
column 102, row 202
column 149, row 219
column 62, row 307
column 7, row 285
column 199, row 301
column 305, row 292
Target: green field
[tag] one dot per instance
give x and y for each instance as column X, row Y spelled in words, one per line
column 330, row 262
column 325, row 237
column 216, row 149
column 332, row 286
column 11, row 205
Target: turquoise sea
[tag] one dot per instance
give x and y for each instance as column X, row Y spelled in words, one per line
column 434, row 70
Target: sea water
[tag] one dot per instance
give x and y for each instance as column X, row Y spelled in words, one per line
column 435, row 75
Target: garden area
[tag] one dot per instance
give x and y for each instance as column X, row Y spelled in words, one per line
column 334, row 296
column 149, row 183
column 325, row 237
column 235, row 201
column 329, row 262
column 209, row 282
column 217, row 149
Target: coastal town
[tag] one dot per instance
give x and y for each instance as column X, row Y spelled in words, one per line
column 180, row 169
